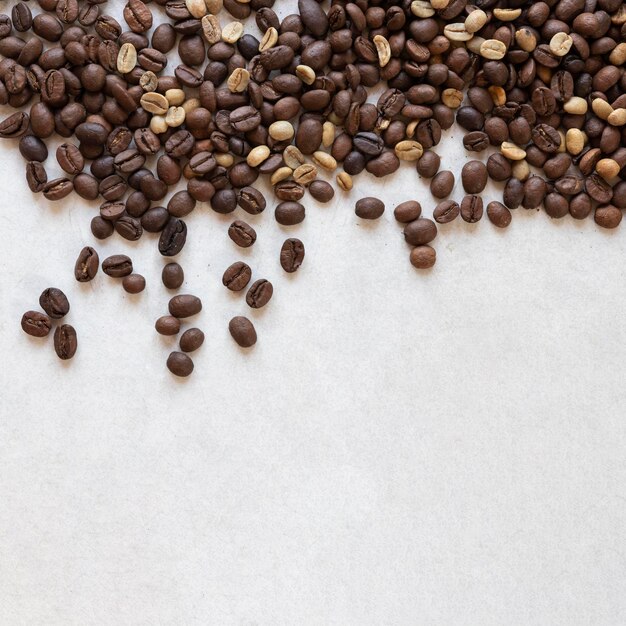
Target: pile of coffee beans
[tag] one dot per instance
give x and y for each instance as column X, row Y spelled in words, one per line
column 538, row 88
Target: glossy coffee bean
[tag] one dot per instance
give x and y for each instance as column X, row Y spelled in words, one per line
column 87, row 264
column 54, row 302
column 36, row 324
column 65, row 341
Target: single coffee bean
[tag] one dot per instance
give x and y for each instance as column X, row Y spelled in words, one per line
column 420, row 231
column 474, row 177
column 606, row 216
column 191, row 340
column 534, row 192
column 86, row 266
column 242, row 234
column 289, row 213
column 54, row 302
column 33, row 149
column 242, row 331
column 472, row 208
column 251, row 200
column 237, row 276
column 369, row 208
column 172, row 275
column 167, row 325
column 321, row 191
column 446, row 211
column 498, row 214
column 407, row 211
column 423, row 257
column 36, row 324
column 428, row 165
column 36, row 176
column 513, row 193
column 580, row 206
column 57, row 189
column 291, row 255
column 134, row 283
column 442, row 184
column 259, row 294
column 101, row 228
column 179, row 364
column 65, row 341
column 117, row 266
column 556, row 205
column 184, row 305
column 173, row 237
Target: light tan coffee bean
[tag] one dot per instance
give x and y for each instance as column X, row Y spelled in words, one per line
column 511, row 151
column 421, row 8
column 149, row 81
column 473, row 45
column 293, row 157
column 526, row 39
column 257, row 155
column 383, row 49
column 575, row 141
column 224, row 159
column 618, row 54
column 619, row 17
column 576, row 106
column 190, row 105
column 239, row 80
column 601, row 108
column 197, row 8
column 158, row 125
column 498, row 95
column 520, row 170
column 452, row 98
column 507, row 15
column 493, row 49
column 155, row 103
column 408, row 150
column 560, row 44
column 562, row 146
column 175, row 116
column 305, row 174
column 281, row 130
column 175, row 97
column 382, row 123
column 344, row 180
column 475, row 21
column 282, row 173
column 457, row 32
column 617, row 117
column 411, row 127
column 328, row 134
column 214, row 7
column 232, row 32
column 324, row 160
column 608, row 168
column 439, row 5
column 126, row 58
column 306, row 74
column 211, row 29
column 269, row 39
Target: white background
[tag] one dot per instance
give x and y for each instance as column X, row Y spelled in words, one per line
column 400, row 447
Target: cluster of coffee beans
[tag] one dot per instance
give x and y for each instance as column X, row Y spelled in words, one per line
column 358, row 86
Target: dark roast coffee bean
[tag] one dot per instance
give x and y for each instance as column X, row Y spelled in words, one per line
column 420, row 231
column 534, row 192
column 173, row 237
column 70, row 159
column 606, row 216
column 36, row 324
column 179, row 364
column 129, row 227
column 33, row 149
column 291, row 255
column 242, row 234
column 184, row 305
column 36, row 176
column 65, row 341
column 134, row 283
column 498, row 214
column 242, row 331
column 191, row 340
column 117, row 266
column 86, row 266
column 321, row 191
column 442, row 184
column 369, row 208
column 167, row 325
column 57, row 189
column 54, row 302
column 471, row 208
column 428, row 165
column 251, row 200
column 237, row 276
column 172, row 275
column 546, row 138
column 513, row 193
column 407, row 211
column 446, row 211
column 556, row 205
column 474, row 177
column 289, row 213
column 580, row 206
column 259, row 294
column 224, row 201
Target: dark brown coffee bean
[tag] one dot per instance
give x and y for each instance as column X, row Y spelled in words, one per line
column 167, row 325
column 428, row 165
column 224, row 201
column 513, row 193
column 546, row 138
column 237, row 276
column 476, row 141
column 138, row 16
column 598, row 188
column 446, row 211
column 471, row 208
column 423, row 257
column 86, row 266
column 242, row 331
column 36, row 324
column 474, row 177
column 129, row 227
column 181, row 204
column 556, row 205
column 259, row 294
column 134, row 283
column 534, row 192
column 117, row 266
column 309, row 136
column 180, row 364
column 442, row 184
column 57, row 189
column 407, row 211
column 172, row 275
column 15, row 125
column 112, row 211
column 33, row 149
column 242, row 234
column 36, row 176
column 607, row 216
column 65, row 341
column 498, row 214
column 369, row 208
column 580, row 206
column 191, row 340
column 321, row 191
column 498, row 167
column 184, row 305
column 291, row 255
column 173, row 237
column 420, row 231
column 289, row 213
column 70, row 159
column 384, row 165
column 54, row 302
column 251, row 200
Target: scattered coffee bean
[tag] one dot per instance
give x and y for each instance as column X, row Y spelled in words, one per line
column 242, row 234
column 65, row 341
column 498, row 214
column 180, row 364
column 184, row 305
column 442, row 184
column 117, row 266
column 259, row 294
column 242, row 331
column 134, row 283
column 369, row 208
column 172, row 275
column 237, row 276
column 86, row 266
column 167, row 325
column 423, row 257
column 291, row 255
column 191, row 340
column 54, row 302
column 36, row 324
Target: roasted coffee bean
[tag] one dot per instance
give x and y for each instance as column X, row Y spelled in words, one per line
column 498, row 214
column 173, row 237
column 129, row 227
column 242, row 331
column 556, row 205
column 446, row 211
column 420, row 231
column 580, row 206
column 36, row 324
column 442, row 184
column 36, row 176
column 423, row 257
column 191, row 340
column 259, row 294
column 534, row 192
column 117, row 266
column 172, row 275
column 289, row 213
column 546, row 138
column 134, row 283
column 184, row 305
column 321, row 191
column 86, row 266
column 242, row 234
column 101, row 228
column 181, row 204
column 251, row 200
column 54, row 302
column 407, row 211
column 167, row 325
column 428, row 165
column 70, row 159
column 471, row 208
column 15, row 125
column 180, row 364
column 237, row 276
column 33, row 149
column 474, row 177
column 369, row 208
column 65, row 341
column 224, row 201
column 607, row 216
column 291, row 255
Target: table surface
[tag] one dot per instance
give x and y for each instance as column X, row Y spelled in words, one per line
column 400, row 447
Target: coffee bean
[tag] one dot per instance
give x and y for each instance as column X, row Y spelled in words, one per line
column 86, row 266
column 498, row 214
column 184, row 305
column 57, row 189
column 167, row 325
column 446, row 211
column 471, row 208
column 321, row 191
column 33, row 149
column 259, row 294
column 172, row 275
column 134, row 283
column 54, row 302
column 179, row 364
column 36, row 324
column 237, row 276
column 173, row 237
column 442, row 184
column 191, row 340
column 36, row 176
column 556, row 205
column 369, row 208
column 251, row 200
column 423, row 257
column 474, row 177
column 117, row 266
column 289, row 213
column 534, row 192
column 606, row 216
column 291, row 255
column 407, row 211
column 101, row 228
column 242, row 331
column 428, row 165
column 242, row 234
column 420, row 231
column 65, row 341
